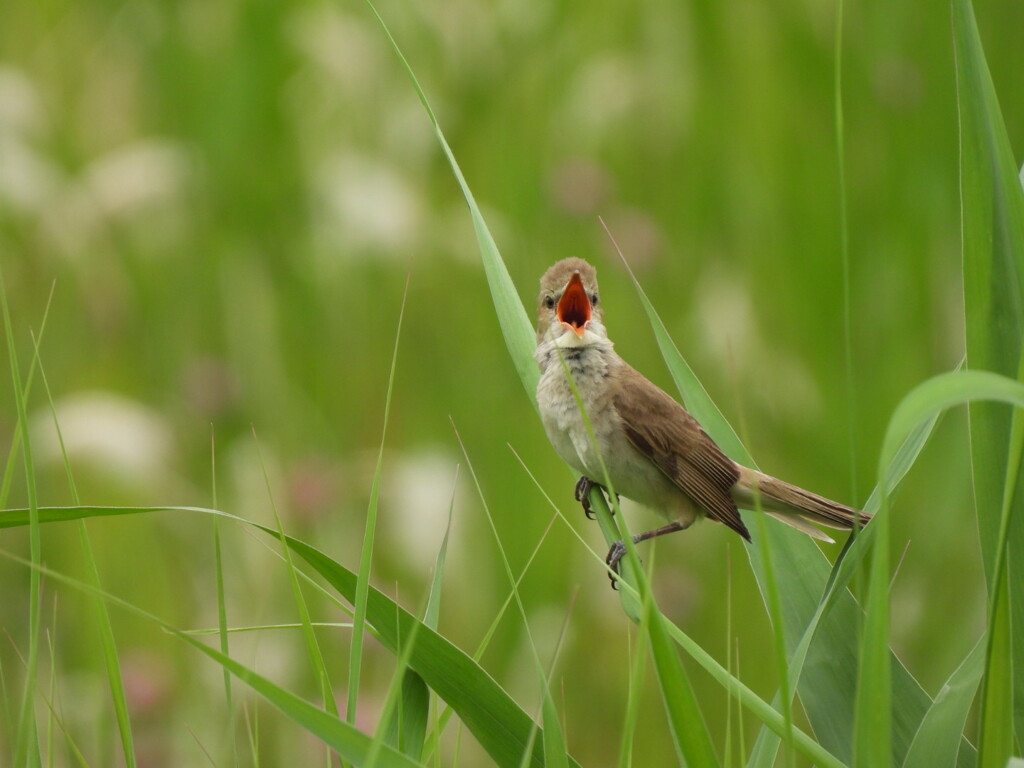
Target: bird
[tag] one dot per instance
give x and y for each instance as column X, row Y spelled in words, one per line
column 640, row 440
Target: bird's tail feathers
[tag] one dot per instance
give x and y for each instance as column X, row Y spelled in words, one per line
column 795, row 506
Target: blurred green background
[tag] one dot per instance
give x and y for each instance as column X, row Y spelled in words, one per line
column 228, row 198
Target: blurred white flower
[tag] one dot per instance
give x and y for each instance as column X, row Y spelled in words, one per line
column 27, row 179
column 725, row 313
column 367, row 204
column 604, row 91
column 141, row 183
column 342, row 45
column 150, row 172
column 417, row 495
column 20, row 111
column 110, row 432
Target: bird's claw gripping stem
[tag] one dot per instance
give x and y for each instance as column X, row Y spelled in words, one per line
column 615, row 555
column 582, row 494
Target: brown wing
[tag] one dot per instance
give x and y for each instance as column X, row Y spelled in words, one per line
column 665, row 433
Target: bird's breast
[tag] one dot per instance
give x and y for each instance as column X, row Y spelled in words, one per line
column 564, row 420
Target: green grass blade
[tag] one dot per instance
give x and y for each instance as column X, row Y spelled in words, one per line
column 771, row 717
column 498, row 723
column 432, row 614
column 501, row 727
column 556, row 752
column 407, row 729
column 552, row 742
column 689, row 731
column 366, row 553
column 992, row 220
column 13, row 454
column 771, row 591
column 222, row 609
column 940, row 393
column 512, row 317
column 27, row 744
column 407, row 725
column 636, row 676
column 489, row 634
column 316, row 656
column 108, row 643
column 346, row 740
column 403, row 719
column 873, row 708
column 937, row 740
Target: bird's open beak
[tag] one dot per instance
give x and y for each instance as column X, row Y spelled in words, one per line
column 574, row 307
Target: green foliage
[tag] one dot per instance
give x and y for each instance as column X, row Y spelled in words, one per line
column 231, row 217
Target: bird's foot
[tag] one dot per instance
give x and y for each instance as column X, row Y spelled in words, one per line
column 582, row 494
column 615, row 555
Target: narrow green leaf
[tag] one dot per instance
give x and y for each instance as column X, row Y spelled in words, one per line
column 940, row 393
column 992, row 219
column 407, row 725
column 636, row 677
column 309, row 635
column 687, row 723
column 552, row 741
column 27, row 743
column 515, row 323
column 873, row 712
column 346, row 740
column 366, row 553
column 771, row 717
column 432, row 614
column 937, row 740
column 408, row 736
column 501, row 727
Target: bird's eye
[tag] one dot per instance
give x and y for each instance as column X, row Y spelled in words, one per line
column 593, row 299
column 549, row 302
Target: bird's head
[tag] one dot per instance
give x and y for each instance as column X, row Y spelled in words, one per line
column 569, row 311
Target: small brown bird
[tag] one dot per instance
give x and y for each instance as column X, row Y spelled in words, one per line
column 654, row 451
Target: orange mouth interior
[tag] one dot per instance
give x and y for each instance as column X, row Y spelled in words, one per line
column 574, row 306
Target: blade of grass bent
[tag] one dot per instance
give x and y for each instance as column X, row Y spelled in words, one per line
column 515, row 323
column 940, row 393
column 366, row 554
column 343, row 738
column 498, row 723
column 488, row 635
column 992, row 220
